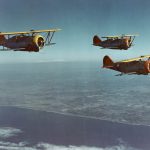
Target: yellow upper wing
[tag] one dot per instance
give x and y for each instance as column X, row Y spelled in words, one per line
column 119, row 36
column 134, row 59
column 130, row 35
column 28, row 32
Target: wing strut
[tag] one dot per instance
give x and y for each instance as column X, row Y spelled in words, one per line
column 49, row 38
column 132, row 41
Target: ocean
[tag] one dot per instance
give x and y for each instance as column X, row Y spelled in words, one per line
column 72, row 106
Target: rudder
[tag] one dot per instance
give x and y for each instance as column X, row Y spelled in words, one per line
column 107, row 62
column 96, row 40
column 2, row 39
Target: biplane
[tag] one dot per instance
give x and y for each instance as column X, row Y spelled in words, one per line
column 122, row 42
column 31, row 41
column 139, row 65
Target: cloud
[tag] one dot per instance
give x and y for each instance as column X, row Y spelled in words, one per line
column 46, row 146
column 6, row 132
column 15, row 146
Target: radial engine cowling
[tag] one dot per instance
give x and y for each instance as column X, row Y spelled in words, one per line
column 147, row 66
column 35, row 43
column 39, row 41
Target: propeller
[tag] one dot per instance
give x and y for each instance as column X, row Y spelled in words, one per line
column 40, row 42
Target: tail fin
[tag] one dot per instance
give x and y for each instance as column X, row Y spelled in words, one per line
column 107, row 62
column 96, row 40
column 2, row 39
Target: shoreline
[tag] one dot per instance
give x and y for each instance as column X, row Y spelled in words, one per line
column 59, row 129
column 73, row 115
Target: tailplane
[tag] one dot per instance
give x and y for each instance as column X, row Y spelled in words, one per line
column 107, row 62
column 2, row 39
column 96, row 40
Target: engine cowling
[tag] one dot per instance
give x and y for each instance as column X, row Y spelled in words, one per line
column 39, row 41
column 147, row 66
column 35, row 43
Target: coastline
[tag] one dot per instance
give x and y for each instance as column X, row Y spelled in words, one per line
column 73, row 115
column 59, row 129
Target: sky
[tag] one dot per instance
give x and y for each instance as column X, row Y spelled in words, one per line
column 79, row 20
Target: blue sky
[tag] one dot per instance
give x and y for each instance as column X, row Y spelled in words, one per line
column 79, row 20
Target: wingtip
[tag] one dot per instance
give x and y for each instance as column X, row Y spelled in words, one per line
column 58, row 29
